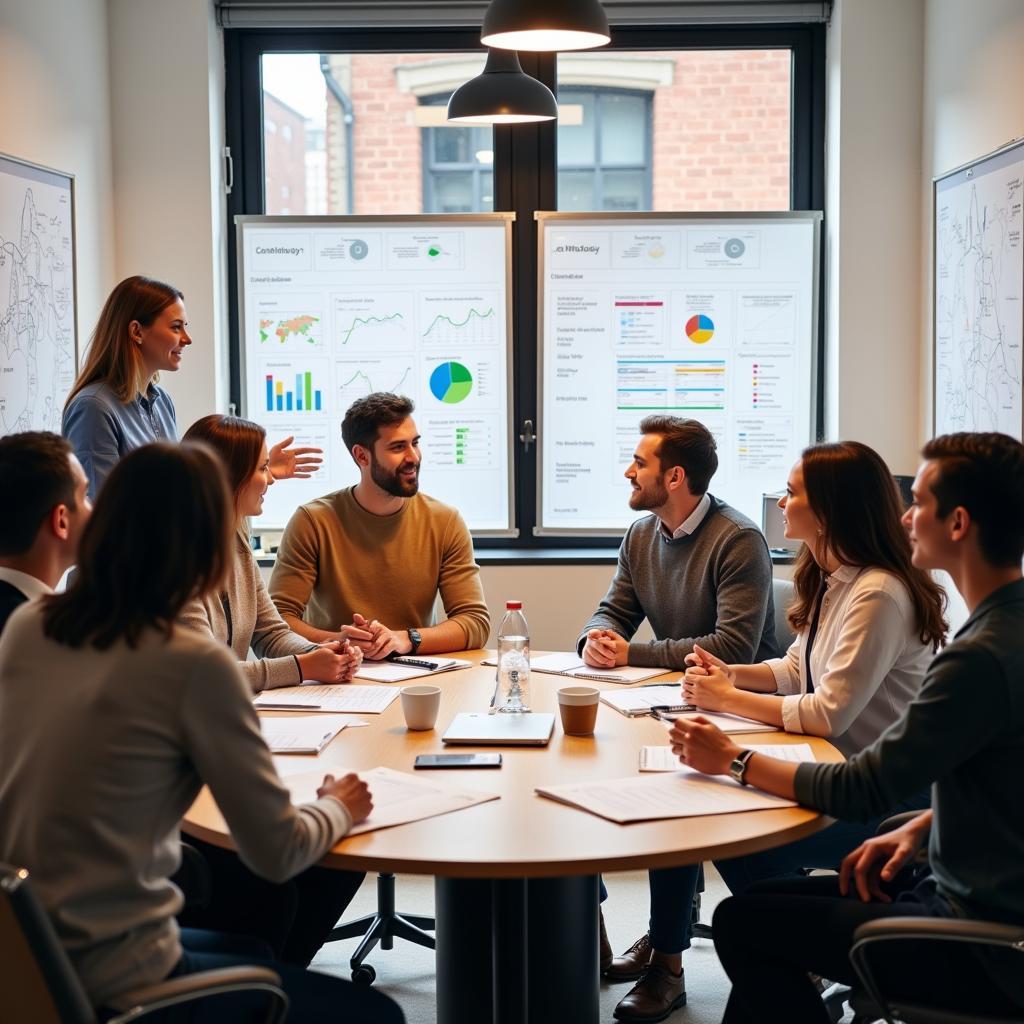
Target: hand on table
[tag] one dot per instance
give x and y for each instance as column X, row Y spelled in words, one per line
column 351, row 792
column 709, row 682
column 300, row 463
column 605, row 649
column 701, row 745
column 333, row 662
column 383, row 641
column 881, row 858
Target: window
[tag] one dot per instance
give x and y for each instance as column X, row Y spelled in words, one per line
column 665, row 118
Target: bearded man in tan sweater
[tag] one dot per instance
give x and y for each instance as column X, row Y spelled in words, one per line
column 366, row 563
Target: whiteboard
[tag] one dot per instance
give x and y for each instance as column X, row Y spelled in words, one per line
column 978, row 280
column 38, row 337
column 332, row 308
column 711, row 317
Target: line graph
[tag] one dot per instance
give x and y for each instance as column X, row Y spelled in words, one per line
column 459, row 320
column 358, row 379
column 371, row 322
column 368, row 321
column 441, row 318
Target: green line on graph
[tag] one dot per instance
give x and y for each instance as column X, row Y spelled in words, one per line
column 461, row 323
column 361, row 322
column 369, row 383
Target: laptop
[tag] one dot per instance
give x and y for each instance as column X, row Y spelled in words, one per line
column 483, row 729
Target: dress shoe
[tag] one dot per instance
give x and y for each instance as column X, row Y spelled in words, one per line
column 605, row 955
column 632, row 964
column 654, row 997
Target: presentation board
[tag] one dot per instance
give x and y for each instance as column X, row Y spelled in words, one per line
column 978, row 282
column 38, row 346
column 333, row 308
column 712, row 317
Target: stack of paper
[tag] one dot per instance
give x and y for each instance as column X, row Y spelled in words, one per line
column 641, row 699
column 305, row 734
column 661, row 759
column 359, row 700
column 727, row 722
column 401, row 669
column 567, row 663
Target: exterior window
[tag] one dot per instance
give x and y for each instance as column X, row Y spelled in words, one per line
column 457, row 167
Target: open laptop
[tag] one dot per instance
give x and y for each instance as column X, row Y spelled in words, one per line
column 483, row 729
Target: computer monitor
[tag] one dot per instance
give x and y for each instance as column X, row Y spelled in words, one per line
column 771, row 525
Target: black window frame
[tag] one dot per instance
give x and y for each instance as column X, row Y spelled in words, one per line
column 433, row 167
column 525, row 180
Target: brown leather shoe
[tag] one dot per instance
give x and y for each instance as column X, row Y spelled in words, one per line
column 632, row 964
column 654, row 997
column 605, row 955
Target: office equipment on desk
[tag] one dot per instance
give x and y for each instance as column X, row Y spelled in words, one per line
column 682, row 794
column 398, row 670
column 398, row 797
column 482, row 729
column 306, row 734
column 643, row 700
column 340, row 698
column 661, row 759
column 773, row 528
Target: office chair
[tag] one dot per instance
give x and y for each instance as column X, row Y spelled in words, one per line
column 782, row 598
column 40, row 985
column 384, row 927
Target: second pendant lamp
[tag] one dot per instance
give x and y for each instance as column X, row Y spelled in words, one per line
column 502, row 94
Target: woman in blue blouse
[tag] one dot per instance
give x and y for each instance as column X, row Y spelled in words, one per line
column 116, row 404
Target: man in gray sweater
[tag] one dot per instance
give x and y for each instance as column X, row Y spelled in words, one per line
column 697, row 570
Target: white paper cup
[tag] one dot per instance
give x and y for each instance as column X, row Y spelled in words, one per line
column 577, row 706
column 420, row 705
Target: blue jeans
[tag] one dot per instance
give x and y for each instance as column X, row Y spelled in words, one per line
column 314, row 998
column 673, row 889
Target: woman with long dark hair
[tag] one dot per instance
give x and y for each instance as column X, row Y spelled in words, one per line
column 853, row 579
column 112, row 717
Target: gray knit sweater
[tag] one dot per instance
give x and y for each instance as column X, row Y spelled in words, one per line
column 712, row 587
column 243, row 616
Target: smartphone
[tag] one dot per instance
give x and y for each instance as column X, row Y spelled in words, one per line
column 457, row 761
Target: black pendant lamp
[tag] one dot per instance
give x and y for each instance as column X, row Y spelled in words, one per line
column 502, row 94
column 547, row 25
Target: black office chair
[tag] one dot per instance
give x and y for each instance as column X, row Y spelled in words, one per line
column 384, row 927
column 40, row 985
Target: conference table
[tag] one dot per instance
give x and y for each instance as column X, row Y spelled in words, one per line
column 516, row 879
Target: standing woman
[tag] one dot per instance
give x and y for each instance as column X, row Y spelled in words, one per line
column 116, row 404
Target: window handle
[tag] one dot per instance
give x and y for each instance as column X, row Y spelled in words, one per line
column 527, row 436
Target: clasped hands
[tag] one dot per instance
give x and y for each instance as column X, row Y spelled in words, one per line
column 605, row 649
column 374, row 639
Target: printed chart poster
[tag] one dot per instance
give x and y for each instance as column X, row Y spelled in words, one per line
column 338, row 309
column 37, row 297
column 692, row 317
column 979, row 278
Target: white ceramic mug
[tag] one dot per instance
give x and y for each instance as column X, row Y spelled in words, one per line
column 420, row 705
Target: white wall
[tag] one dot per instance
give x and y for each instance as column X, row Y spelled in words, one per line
column 55, row 111
column 167, row 100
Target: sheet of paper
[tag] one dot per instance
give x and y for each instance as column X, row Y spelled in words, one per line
column 642, row 698
column 398, row 797
column 301, row 734
column 661, row 759
column 339, row 698
column 654, row 797
column 570, row 664
column 730, row 723
column 395, row 672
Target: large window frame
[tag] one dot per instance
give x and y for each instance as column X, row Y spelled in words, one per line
column 525, row 180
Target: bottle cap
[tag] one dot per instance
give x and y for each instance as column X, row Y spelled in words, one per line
column 513, row 606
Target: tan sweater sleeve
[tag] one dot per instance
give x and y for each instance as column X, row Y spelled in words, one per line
column 295, row 571
column 222, row 737
column 462, row 593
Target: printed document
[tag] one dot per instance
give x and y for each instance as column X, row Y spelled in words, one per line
column 398, row 797
column 661, row 759
column 639, row 700
column 341, row 698
column 568, row 663
column 301, row 734
column 400, row 671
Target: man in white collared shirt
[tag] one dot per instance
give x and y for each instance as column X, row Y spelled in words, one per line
column 42, row 518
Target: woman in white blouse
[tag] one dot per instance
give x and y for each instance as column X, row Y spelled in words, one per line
column 867, row 625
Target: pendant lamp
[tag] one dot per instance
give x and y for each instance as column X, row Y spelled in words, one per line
column 547, row 25
column 502, row 94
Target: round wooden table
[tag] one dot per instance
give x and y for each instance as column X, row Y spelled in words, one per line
column 516, row 878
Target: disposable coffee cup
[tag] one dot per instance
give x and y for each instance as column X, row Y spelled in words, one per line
column 578, row 707
column 420, row 705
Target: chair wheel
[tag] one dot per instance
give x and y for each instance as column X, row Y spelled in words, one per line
column 364, row 976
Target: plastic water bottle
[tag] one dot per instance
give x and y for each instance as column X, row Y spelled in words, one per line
column 514, row 660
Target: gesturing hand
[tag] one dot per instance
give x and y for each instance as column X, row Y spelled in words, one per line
column 300, row 463
column 351, row 791
column 880, row 859
column 701, row 745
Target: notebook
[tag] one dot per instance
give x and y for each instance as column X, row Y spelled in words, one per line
column 398, row 670
column 567, row 663
column 483, row 729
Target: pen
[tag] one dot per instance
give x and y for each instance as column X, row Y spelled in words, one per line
column 415, row 662
column 662, row 710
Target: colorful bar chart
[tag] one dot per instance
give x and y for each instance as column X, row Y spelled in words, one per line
column 303, row 398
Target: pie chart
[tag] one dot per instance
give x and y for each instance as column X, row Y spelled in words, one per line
column 700, row 328
column 451, row 383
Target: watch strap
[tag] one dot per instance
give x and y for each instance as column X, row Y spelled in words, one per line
column 415, row 638
column 738, row 768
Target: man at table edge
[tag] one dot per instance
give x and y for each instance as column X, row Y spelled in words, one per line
column 367, row 562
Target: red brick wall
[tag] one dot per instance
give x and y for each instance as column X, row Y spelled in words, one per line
column 285, row 159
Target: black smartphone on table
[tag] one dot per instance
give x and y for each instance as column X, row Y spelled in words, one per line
column 457, row 761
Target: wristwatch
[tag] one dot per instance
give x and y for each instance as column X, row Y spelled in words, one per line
column 415, row 638
column 738, row 768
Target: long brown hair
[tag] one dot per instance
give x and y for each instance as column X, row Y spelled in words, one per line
column 160, row 535
column 111, row 356
column 238, row 442
column 852, row 493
